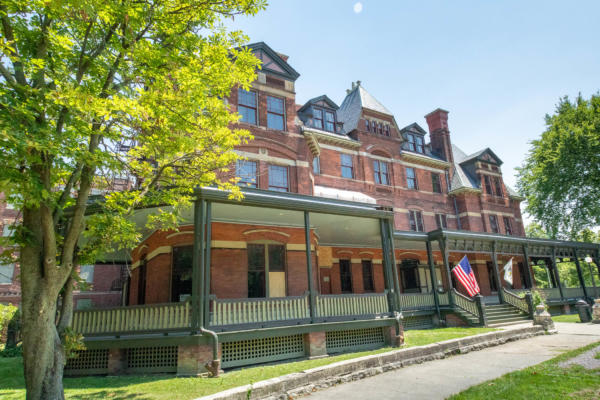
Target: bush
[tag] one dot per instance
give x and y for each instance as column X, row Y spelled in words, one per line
column 9, row 352
column 538, row 298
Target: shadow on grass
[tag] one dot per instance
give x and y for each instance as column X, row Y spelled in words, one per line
column 108, row 394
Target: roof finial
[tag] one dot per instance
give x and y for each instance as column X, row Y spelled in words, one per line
column 353, row 85
column 357, row 83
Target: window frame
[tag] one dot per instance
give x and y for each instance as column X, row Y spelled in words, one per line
column 346, row 167
column 243, row 179
column 415, row 220
column 282, row 115
column 367, row 125
column 332, row 122
column 487, row 182
column 368, row 281
column 316, row 165
column 413, row 179
column 277, row 188
column 255, row 108
column 508, row 229
column 379, row 175
column 436, row 182
column 321, row 120
column 494, row 227
column 419, row 144
column 441, row 221
column 343, row 283
column 497, row 187
column 410, row 139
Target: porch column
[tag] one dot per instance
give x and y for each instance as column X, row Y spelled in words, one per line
column 197, row 316
column 596, row 260
column 436, row 298
column 444, row 250
column 528, row 277
column 387, row 270
column 556, row 274
column 393, row 261
column 311, row 285
column 207, row 246
column 580, row 274
column 497, row 272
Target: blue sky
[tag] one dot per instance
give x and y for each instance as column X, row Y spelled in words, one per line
column 497, row 66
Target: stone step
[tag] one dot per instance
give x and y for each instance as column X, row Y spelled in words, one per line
column 506, row 320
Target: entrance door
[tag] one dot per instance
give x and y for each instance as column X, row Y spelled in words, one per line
column 266, row 270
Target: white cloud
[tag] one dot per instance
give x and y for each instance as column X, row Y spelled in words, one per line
column 358, row 7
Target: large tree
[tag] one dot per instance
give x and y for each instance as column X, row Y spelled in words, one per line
column 92, row 91
column 561, row 176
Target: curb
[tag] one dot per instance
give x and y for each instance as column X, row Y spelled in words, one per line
column 311, row 380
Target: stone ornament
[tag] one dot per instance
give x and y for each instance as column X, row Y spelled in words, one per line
column 543, row 318
column 596, row 312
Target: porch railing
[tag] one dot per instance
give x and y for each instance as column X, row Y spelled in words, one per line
column 253, row 311
column 573, row 293
column 341, row 305
column 550, row 293
column 142, row 318
column 444, row 299
column 515, row 300
column 416, row 301
column 465, row 304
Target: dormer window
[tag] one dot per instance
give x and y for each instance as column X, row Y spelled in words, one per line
column 329, row 121
column 323, row 119
column 420, row 147
column 411, row 142
column 318, row 118
column 415, row 143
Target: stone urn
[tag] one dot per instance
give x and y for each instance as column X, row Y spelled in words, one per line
column 543, row 318
column 596, row 312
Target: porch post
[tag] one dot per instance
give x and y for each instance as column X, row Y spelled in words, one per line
column 580, row 274
column 556, row 274
column 393, row 261
column 528, row 277
column 387, row 270
column 436, row 299
column 497, row 272
column 442, row 243
column 207, row 246
column 311, row 286
column 197, row 265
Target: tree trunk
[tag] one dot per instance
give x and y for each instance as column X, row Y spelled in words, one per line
column 43, row 353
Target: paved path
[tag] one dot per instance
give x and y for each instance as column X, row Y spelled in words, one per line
column 442, row 378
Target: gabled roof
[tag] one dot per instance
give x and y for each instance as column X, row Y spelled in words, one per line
column 486, row 155
column 352, row 106
column 272, row 61
column 316, row 100
column 414, row 127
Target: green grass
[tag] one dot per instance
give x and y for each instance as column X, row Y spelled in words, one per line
column 159, row 387
column 566, row 318
column 543, row 381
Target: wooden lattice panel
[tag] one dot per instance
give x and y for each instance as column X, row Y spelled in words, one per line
column 152, row 359
column 417, row 322
column 356, row 339
column 88, row 362
column 254, row 351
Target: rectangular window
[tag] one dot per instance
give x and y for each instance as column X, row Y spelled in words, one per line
column 6, row 273
column 317, row 118
column 278, row 178
column 387, row 130
column 419, row 144
column 507, row 226
column 441, row 221
column 494, row 224
column 347, row 166
column 416, row 220
column 316, row 165
column 488, row 185
column 498, row 186
column 435, row 183
column 141, row 295
column 247, row 106
column 491, row 276
column 411, row 178
column 367, row 125
column 380, row 170
column 329, row 121
column 256, row 270
column 345, row 276
column 86, row 272
column 181, row 275
column 367, row 272
column 380, row 128
column 409, row 273
column 246, row 171
column 411, row 142
column 275, row 113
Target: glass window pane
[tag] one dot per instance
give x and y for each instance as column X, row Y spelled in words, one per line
column 345, row 276
column 275, row 104
column 6, row 273
column 248, row 115
column 316, row 166
column 247, row 98
column 246, row 171
column 278, row 178
column 181, row 275
column 86, row 272
column 275, row 121
column 276, row 258
column 318, row 114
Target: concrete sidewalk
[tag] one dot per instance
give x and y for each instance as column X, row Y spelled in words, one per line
column 442, row 378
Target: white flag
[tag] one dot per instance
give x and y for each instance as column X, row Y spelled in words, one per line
column 508, row 277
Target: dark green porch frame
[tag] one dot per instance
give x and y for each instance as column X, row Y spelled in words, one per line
column 286, row 201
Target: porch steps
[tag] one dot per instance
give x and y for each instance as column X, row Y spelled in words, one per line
column 504, row 314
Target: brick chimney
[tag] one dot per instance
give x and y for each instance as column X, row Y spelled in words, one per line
column 437, row 120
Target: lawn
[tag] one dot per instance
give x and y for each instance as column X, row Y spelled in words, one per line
column 159, row 387
column 543, row 381
column 566, row 318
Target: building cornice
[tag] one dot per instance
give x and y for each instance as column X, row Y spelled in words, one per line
column 326, row 137
column 423, row 159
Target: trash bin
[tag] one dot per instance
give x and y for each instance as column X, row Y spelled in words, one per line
column 583, row 308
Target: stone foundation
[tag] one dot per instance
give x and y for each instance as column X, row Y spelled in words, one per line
column 192, row 359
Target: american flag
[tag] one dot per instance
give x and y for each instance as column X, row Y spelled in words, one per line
column 465, row 275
